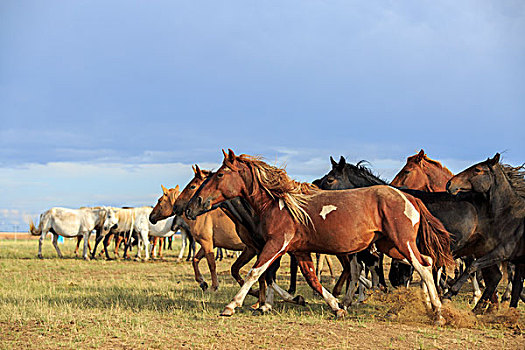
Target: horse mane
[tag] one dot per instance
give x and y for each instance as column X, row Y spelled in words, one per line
column 366, row 171
column 414, row 158
column 516, row 177
column 279, row 186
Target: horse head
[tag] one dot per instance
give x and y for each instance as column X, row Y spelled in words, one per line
column 164, row 207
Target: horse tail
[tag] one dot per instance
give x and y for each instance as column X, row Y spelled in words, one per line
column 435, row 239
column 35, row 231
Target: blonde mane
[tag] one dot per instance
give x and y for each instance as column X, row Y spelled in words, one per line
column 278, row 185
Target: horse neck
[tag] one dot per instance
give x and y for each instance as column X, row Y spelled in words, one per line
column 367, row 178
column 437, row 177
column 256, row 196
column 503, row 199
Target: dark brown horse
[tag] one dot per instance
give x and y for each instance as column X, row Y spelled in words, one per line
column 332, row 222
column 423, row 174
column 502, row 188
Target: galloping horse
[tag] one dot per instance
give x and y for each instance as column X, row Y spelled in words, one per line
column 214, row 229
column 502, row 189
column 423, row 174
column 331, row 222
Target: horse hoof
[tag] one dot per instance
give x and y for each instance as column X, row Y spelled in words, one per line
column 446, row 301
column 204, row 286
column 40, row 257
column 258, row 312
column 440, row 321
column 214, row 288
column 299, row 300
column 227, row 312
column 341, row 313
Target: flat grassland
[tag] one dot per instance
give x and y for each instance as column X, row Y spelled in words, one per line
column 74, row 304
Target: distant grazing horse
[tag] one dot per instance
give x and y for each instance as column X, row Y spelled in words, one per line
column 502, row 189
column 129, row 220
column 68, row 223
column 331, row 222
column 214, row 229
column 423, row 174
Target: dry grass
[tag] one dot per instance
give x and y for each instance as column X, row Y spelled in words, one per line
column 71, row 303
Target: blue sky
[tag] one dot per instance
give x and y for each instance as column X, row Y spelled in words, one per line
column 101, row 101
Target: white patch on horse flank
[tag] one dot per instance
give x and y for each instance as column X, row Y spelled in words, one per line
column 410, row 211
column 327, row 209
column 281, row 204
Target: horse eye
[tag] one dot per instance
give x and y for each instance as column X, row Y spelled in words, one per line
column 477, row 170
column 330, row 179
column 192, row 187
column 407, row 171
column 220, row 175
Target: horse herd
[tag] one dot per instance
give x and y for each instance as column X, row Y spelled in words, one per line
column 426, row 220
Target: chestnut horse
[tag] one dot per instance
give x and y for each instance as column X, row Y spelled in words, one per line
column 423, row 174
column 213, row 229
column 502, row 189
column 300, row 218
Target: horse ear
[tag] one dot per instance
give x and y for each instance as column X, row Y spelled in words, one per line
column 342, row 161
column 164, row 189
column 494, row 160
column 177, row 188
column 224, row 154
column 198, row 172
column 420, row 156
column 193, row 168
column 231, row 155
column 334, row 163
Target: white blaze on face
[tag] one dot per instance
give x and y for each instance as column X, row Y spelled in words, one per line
column 410, row 211
column 327, row 209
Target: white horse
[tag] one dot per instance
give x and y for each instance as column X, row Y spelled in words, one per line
column 129, row 220
column 68, row 223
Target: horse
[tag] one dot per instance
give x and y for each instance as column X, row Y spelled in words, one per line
column 464, row 216
column 68, row 223
column 129, row 220
column 300, row 218
column 423, row 174
column 213, row 229
column 501, row 187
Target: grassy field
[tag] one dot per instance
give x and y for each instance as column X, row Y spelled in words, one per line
column 71, row 303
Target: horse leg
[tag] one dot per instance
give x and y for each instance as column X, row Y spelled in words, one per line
column 105, row 243
column 55, row 244
column 355, row 272
column 99, row 237
column 271, row 278
column 293, row 275
column 162, row 242
column 492, row 275
column 79, row 239
column 345, row 274
column 307, row 269
column 271, row 251
column 210, row 257
column 476, row 292
column 86, row 245
column 183, row 248
column 191, row 251
column 319, row 263
column 246, row 255
column 40, row 241
column 198, row 276
column 330, row 266
column 517, row 284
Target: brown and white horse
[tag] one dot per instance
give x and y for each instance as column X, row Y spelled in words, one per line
column 332, row 222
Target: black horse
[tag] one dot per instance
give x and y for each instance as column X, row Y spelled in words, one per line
column 502, row 191
column 466, row 216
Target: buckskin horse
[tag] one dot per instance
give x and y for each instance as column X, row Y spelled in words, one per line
column 501, row 188
column 213, row 229
column 300, row 218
